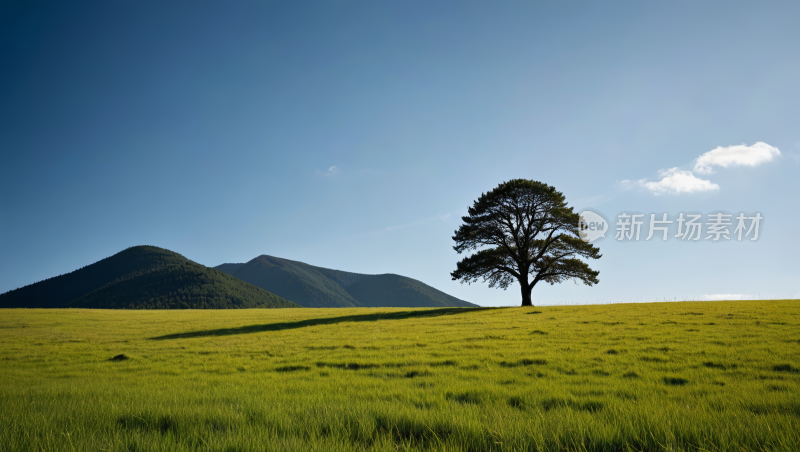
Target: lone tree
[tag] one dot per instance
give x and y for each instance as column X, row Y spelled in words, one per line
column 530, row 233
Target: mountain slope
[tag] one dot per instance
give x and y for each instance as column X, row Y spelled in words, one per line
column 293, row 281
column 391, row 290
column 229, row 268
column 143, row 277
column 312, row 286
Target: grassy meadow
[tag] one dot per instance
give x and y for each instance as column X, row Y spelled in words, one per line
column 693, row 376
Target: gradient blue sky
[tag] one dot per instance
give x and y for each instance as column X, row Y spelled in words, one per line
column 353, row 135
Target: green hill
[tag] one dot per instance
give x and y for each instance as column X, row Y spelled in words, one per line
column 143, row 277
column 294, row 281
column 312, row 286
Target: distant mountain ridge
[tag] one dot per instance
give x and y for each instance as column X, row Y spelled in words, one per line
column 319, row 287
column 143, row 277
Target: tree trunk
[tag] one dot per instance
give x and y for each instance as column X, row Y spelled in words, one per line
column 525, row 288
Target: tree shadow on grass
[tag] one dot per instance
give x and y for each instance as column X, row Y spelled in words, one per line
column 324, row 321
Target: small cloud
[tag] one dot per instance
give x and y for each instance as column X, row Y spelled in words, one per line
column 677, row 181
column 330, row 171
column 725, row 296
column 794, row 156
column 628, row 184
column 445, row 216
column 734, row 156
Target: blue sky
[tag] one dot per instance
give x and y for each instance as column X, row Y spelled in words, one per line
column 354, row 135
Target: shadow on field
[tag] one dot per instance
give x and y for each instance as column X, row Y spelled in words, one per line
column 324, row 321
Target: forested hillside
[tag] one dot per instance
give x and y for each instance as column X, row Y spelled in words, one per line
column 312, row 286
column 143, row 277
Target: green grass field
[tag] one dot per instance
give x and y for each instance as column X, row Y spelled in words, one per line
column 712, row 376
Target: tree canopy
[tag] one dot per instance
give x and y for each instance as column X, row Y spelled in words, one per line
column 525, row 232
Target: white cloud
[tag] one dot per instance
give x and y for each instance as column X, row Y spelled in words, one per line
column 735, row 155
column 628, row 184
column 445, row 216
column 676, row 181
column 329, row 172
column 725, row 296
